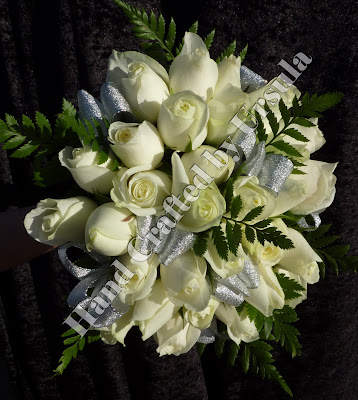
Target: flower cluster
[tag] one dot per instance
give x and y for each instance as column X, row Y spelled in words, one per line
column 182, row 114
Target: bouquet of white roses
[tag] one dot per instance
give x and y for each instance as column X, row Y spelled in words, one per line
column 201, row 219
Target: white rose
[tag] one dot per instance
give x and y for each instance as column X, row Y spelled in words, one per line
column 140, row 190
column 136, row 144
column 193, row 69
column 205, row 212
column 269, row 295
column 176, row 337
column 229, row 73
column 223, row 268
column 141, row 79
column 294, row 302
column 320, row 188
column 140, row 285
column 253, row 195
column 185, row 283
column 222, row 108
column 313, row 134
column 302, row 259
column 152, row 312
column 239, row 327
column 83, row 165
column 217, row 164
column 109, row 229
column 55, row 222
column 202, row 319
column 182, row 121
column 118, row 330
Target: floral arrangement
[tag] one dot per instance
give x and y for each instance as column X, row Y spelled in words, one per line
column 196, row 206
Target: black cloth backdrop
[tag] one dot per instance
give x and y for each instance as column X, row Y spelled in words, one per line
column 49, row 50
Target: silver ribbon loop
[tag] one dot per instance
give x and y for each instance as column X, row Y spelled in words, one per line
column 116, row 107
column 250, row 81
column 316, row 219
column 274, row 172
column 233, row 290
column 255, row 162
column 94, row 279
column 168, row 246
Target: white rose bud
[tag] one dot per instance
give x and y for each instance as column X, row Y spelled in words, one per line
column 142, row 80
column 193, row 69
column 229, row 73
column 202, row 319
column 176, row 337
column 152, row 312
column 140, row 190
column 205, row 212
column 109, row 230
column 214, row 162
column 252, row 195
column 118, row 330
column 136, row 144
column 182, row 121
column 55, row 222
column 319, row 183
column 185, row 283
column 222, row 108
column 239, row 327
column 140, row 285
column 83, row 164
column 269, row 295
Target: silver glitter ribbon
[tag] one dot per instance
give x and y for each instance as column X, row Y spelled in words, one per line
column 170, row 245
column 316, row 219
column 208, row 335
column 233, row 290
column 250, row 81
column 94, row 279
column 113, row 106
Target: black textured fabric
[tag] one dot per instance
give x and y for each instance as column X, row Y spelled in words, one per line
column 49, row 50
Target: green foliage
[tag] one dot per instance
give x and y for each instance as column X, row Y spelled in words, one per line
column 220, row 242
column 332, row 254
column 156, row 38
column 257, row 358
column 200, row 348
column 311, row 106
column 227, row 52
column 243, row 52
column 209, row 39
column 201, row 243
column 42, row 141
column 75, row 344
column 290, row 287
column 236, row 206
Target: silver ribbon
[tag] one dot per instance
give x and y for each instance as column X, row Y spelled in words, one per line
column 90, row 109
column 94, row 279
column 316, row 219
column 208, row 335
column 171, row 245
column 250, row 81
column 233, row 290
column 116, row 107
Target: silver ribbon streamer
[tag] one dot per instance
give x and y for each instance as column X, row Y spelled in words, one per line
column 94, row 279
column 232, row 290
column 170, row 247
column 116, row 107
column 250, row 81
column 90, row 109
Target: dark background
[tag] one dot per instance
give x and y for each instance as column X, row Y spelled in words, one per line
column 48, row 50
